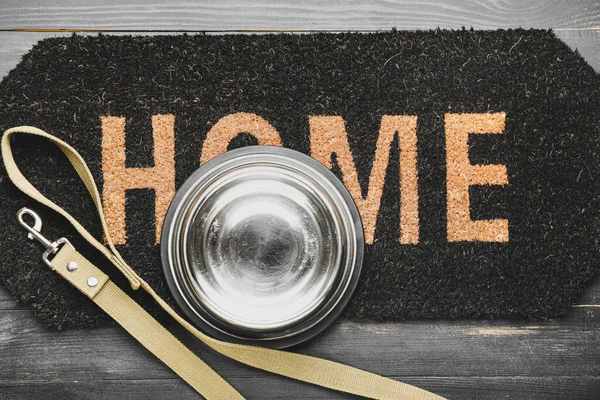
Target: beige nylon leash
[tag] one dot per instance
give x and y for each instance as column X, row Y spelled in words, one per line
column 134, row 319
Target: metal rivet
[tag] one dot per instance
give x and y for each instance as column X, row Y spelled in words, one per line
column 92, row 282
column 72, row 266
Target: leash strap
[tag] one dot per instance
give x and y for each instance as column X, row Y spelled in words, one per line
column 144, row 328
column 92, row 282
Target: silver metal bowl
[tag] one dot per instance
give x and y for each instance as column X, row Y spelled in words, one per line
column 262, row 245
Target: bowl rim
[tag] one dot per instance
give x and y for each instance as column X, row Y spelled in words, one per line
column 291, row 339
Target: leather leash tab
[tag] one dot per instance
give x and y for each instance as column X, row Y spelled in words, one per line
column 142, row 326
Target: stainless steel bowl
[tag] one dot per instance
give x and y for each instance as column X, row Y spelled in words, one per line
column 262, row 245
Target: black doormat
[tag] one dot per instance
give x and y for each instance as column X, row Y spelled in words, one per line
column 474, row 156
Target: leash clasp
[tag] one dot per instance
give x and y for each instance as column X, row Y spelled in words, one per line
column 35, row 233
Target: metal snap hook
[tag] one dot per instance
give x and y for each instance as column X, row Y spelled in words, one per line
column 36, row 234
column 35, row 231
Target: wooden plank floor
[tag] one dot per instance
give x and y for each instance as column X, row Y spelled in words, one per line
column 558, row 359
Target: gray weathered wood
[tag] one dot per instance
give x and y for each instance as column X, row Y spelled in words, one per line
column 562, row 347
column 557, row 359
column 451, row 357
column 220, row 15
column 481, row 388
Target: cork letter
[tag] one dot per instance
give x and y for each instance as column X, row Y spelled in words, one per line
column 328, row 136
column 228, row 127
column 118, row 178
column 461, row 174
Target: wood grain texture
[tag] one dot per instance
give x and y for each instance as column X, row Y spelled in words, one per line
column 481, row 388
column 558, row 359
column 459, row 359
column 220, row 15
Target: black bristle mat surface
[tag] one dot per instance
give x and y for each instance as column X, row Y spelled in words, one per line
column 550, row 147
